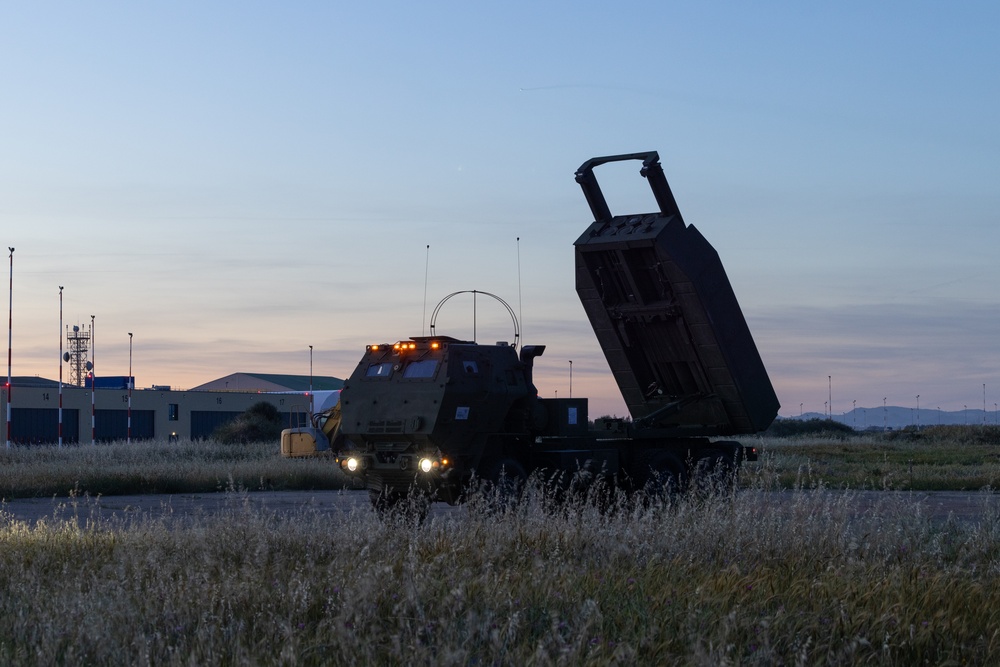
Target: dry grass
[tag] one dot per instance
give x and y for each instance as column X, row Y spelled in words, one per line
column 691, row 582
column 158, row 467
column 936, row 459
column 699, row 582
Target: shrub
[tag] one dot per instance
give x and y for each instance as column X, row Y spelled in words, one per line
column 265, row 411
column 261, row 422
column 784, row 428
column 966, row 435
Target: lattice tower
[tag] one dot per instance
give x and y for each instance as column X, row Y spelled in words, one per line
column 78, row 344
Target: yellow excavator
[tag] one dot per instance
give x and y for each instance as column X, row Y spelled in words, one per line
column 315, row 439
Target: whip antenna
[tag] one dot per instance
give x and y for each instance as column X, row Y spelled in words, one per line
column 520, row 310
column 427, row 264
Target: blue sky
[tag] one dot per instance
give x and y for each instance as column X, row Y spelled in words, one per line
column 235, row 181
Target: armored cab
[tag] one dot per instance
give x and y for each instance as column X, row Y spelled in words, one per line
column 436, row 402
column 666, row 317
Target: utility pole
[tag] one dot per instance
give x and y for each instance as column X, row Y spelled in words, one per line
column 93, row 385
column 60, row 365
column 10, row 329
column 829, row 379
column 128, row 434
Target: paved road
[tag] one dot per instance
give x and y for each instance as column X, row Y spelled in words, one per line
column 939, row 505
column 186, row 505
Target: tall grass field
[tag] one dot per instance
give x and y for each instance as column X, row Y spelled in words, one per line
column 690, row 580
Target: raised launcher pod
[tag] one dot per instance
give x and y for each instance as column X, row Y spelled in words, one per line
column 666, row 316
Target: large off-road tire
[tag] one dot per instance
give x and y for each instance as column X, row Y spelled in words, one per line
column 591, row 484
column 659, row 475
column 394, row 504
column 715, row 473
column 501, row 483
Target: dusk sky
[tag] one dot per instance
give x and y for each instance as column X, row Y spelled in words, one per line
column 236, row 181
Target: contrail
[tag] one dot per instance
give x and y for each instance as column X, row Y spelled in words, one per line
column 563, row 86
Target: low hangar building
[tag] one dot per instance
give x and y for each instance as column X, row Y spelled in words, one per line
column 157, row 412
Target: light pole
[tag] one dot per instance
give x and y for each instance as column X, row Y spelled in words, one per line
column 800, row 411
column 311, row 406
column 829, row 379
column 128, row 434
column 10, row 329
column 93, row 384
column 885, row 416
column 918, row 412
column 60, row 364
column 571, row 378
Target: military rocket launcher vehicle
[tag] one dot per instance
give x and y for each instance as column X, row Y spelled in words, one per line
column 432, row 415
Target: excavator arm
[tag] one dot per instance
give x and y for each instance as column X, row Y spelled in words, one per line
column 322, row 436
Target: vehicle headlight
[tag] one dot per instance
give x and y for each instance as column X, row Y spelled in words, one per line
column 426, row 465
column 351, row 464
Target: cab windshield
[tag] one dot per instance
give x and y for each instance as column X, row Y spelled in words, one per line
column 422, row 368
column 381, row 370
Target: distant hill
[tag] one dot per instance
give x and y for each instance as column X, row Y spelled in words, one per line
column 895, row 417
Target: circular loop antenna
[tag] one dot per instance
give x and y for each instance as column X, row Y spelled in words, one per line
column 510, row 311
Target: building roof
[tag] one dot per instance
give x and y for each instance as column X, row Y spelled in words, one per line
column 33, row 381
column 270, row 382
